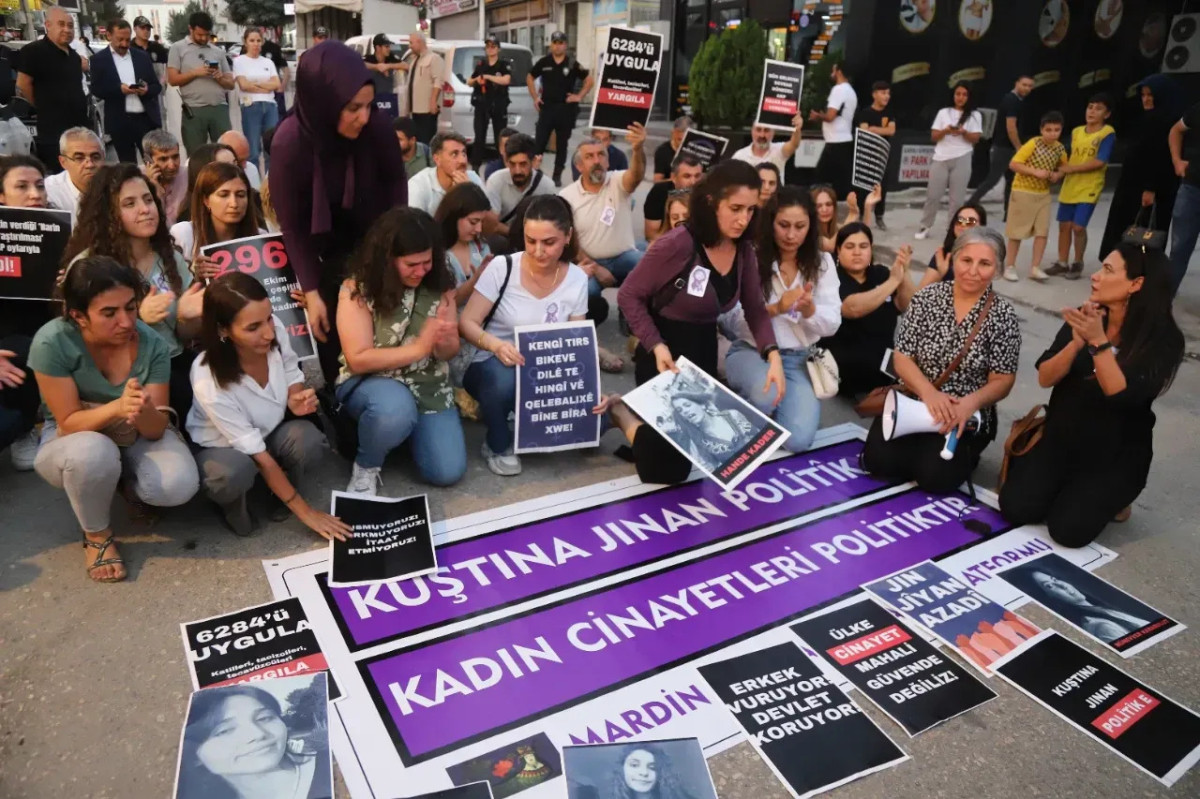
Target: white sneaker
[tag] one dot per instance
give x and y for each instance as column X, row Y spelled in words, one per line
column 505, row 464
column 922, row 234
column 364, row 481
column 24, row 450
column 1037, row 274
column 1010, row 274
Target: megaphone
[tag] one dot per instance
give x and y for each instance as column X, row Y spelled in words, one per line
column 905, row 416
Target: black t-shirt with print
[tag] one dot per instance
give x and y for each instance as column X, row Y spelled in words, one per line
column 558, row 77
column 876, row 119
column 487, row 92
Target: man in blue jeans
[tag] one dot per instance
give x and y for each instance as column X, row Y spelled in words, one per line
column 1184, row 142
column 603, row 213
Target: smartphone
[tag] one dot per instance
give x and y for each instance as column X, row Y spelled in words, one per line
column 214, row 64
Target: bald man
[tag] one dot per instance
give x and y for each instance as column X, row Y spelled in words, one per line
column 241, row 148
column 51, row 79
column 423, row 86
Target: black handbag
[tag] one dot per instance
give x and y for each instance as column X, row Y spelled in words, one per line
column 1145, row 237
column 340, row 427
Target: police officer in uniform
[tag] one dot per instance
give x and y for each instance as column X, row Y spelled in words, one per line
column 558, row 103
column 489, row 98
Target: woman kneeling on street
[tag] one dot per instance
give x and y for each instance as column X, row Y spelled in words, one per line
column 245, row 384
column 1114, row 356
column 103, row 375
column 935, row 335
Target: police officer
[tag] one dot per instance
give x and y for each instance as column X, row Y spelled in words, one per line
column 489, row 98
column 558, row 103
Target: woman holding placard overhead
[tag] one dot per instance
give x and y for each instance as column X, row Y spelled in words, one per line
column 398, row 324
column 533, row 287
column 687, row 279
column 221, row 210
column 245, row 383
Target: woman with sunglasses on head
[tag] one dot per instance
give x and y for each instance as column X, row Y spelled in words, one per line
column 873, row 297
column 800, row 285
column 969, row 216
column 1111, row 360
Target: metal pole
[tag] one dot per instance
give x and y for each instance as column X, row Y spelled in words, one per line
column 28, row 32
column 482, row 18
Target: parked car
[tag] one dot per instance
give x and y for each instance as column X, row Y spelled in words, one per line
column 461, row 56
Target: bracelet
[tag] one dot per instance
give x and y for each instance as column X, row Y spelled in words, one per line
column 479, row 343
column 292, row 498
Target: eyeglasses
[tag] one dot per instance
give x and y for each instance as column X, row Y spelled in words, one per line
column 966, row 221
column 91, row 158
column 674, row 193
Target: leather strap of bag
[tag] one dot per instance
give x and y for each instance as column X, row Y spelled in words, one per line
column 966, row 347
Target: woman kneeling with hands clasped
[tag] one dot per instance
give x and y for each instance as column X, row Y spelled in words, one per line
column 245, row 383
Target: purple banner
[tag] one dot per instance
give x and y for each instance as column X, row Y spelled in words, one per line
column 439, row 695
column 491, row 571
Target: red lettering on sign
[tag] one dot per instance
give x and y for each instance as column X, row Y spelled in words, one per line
column 274, row 255
column 1125, row 713
column 869, row 645
column 10, row 266
column 297, row 330
column 629, row 99
column 776, row 105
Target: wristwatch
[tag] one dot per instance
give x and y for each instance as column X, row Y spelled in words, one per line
column 1094, row 351
column 766, row 353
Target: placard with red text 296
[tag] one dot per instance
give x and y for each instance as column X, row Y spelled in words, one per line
column 265, row 259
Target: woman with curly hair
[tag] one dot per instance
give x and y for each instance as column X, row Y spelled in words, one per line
column 121, row 216
column 641, row 771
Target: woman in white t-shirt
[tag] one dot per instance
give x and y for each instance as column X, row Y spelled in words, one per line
column 955, row 131
column 537, row 286
column 258, row 81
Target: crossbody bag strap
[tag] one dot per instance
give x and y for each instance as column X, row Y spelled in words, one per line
column 533, row 184
column 500, row 296
column 966, row 347
column 667, row 294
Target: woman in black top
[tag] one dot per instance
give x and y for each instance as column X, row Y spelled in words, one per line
column 873, row 297
column 969, row 216
column 931, row 335
column 1114, row 356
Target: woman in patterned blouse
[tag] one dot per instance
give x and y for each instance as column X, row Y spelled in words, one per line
column 932, row 332
column 398, row 325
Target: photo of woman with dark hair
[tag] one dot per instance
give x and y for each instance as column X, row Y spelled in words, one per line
column 241, row 741
column 710, row 435
column 650, row 770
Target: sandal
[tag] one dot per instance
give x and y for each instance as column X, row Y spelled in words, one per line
column 102, row 561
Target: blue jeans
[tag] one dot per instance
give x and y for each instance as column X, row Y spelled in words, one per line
column 1185, row 228
column 388, row 415
column 494, row 387
column 620, row 265
column 799, row 412
column 256, row 118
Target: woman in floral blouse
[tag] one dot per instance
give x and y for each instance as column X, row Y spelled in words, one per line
column 932, row 332
column 399, row 328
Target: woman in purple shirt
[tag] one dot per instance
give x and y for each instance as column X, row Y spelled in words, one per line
column 688, row 278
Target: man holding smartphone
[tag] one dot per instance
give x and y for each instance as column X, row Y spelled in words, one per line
column 201, row 71
column 123, row 77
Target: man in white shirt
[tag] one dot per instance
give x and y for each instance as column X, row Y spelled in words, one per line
column 241, row 148
column 427, row 188
column 81, row 154
column 837, row 128
column 123, row 77
column 520, row 178
column 762, row 146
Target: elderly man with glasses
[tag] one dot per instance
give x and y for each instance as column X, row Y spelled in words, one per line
column 82, row 155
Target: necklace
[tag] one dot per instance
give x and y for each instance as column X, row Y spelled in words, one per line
column 542, row 286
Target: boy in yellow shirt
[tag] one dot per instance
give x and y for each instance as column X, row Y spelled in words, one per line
column 1091, row 149
column 1037, row 164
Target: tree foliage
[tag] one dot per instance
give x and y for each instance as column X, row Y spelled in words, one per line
column 726, row 76
column 177, row 23
column 260, row 13
column 103, row 12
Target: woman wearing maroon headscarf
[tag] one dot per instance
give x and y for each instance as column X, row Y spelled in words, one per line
column 336, row 167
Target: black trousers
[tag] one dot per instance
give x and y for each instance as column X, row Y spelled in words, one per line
column 858, row 367
column 836, row 165
column 127, row 132
column 918, row 457
column 179, row 389
column 22, row 399
column 485, row 115
column 426, row 125
column 1127, row 208
column 1001, row 157
column 559, row 119
column 1075, row 496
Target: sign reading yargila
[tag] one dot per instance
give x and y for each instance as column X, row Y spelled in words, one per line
column 628, row 78
column 782, row 85
column 32, row 241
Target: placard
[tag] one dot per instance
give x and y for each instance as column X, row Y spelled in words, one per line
column 871, row 153
column 628, row 79
column 265, row 259
column 722, row 434
column 917, row 686
column 980, row 630
column 805, row 728
column 557, row 387
column 253, row 644
column 1090, row 604
column 1140, row 724
column 647, row 768
column 915, row 162
column 705, row 147
column 779, row 100
column 389, row 539
column 32, row 243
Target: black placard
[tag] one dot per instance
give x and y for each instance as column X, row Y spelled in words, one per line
column 871, row 153
column 265, row 259
column 263, row 642
column 628, row 78
column 390, row 539
column 32, row 241
column 810, row 734
column 1138, row 723
column 706, row 147
column 779, row 101
column 915, row 684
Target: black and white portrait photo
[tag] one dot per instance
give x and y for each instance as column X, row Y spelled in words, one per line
column 256, row 740
column 668, row 769
column 1093, row 605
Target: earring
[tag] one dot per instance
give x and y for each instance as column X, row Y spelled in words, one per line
column 224, row 339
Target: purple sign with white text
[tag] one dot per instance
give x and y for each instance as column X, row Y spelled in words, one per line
column 440, row 695
column 490, row 571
